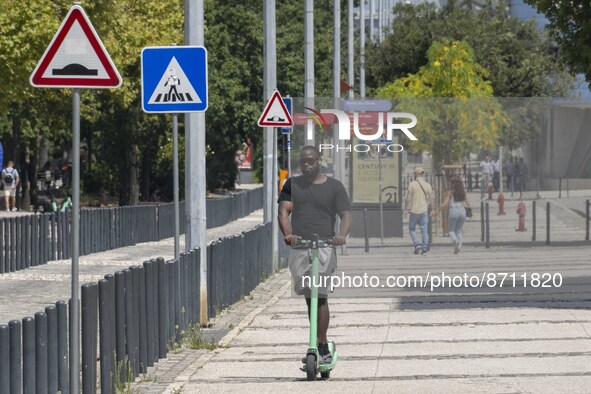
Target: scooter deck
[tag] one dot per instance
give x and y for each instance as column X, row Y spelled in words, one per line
column 329, row 367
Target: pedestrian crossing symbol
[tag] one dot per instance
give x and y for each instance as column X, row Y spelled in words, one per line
column 174, row 79
column 174, row 87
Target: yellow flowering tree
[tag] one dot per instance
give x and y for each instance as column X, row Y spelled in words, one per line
column 453, row 103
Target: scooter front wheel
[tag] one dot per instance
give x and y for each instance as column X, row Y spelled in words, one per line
column 311, row 367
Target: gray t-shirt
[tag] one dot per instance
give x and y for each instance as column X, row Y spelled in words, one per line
column 9, row 177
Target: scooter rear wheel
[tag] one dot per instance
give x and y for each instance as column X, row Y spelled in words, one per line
column 311, row 367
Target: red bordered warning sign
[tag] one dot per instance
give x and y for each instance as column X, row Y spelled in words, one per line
column 76, row 57
column 275, row 113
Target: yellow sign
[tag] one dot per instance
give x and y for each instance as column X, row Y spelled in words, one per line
column 369, row 162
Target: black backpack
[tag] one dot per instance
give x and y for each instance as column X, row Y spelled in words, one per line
column 8, row 178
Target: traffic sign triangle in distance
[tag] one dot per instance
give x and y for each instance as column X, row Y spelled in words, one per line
column 275, row 113
column 76, row 57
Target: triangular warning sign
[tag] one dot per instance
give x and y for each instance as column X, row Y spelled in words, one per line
column 275, row 113
column 76, row 57
column 174, row 87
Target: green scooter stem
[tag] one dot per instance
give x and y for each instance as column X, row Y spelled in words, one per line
column 314, row 298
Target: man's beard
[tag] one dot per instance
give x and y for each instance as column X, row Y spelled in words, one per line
column 311, row 173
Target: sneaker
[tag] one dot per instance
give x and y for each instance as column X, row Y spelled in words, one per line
column 456, row 247
column 14, row 209
column 325, row 356
column 417, row 249
column 424, row 253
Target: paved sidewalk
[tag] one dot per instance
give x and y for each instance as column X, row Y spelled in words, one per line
column 518, row 337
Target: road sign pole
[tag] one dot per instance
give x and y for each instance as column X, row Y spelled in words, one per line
column 75, row 326
column 275, row 197
column 289, row 154
column 175, row 182
column 380, row 194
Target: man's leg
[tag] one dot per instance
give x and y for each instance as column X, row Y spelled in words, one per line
column 412, row 228
column 423, row 225
column 323, row 318
column 6, row 200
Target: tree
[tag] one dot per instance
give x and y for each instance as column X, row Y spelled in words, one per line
column 569, row 24
column 519, row 59
column 452, row 101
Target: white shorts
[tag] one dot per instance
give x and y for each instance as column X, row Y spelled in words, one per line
column 9, row 191
column 300, row 265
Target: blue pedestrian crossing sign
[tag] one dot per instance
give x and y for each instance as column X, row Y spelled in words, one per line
column 174, row 79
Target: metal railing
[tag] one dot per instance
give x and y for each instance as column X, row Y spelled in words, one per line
column 31, row 240
column 129, row 318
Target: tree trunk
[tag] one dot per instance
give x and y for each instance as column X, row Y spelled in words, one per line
column 134, row 186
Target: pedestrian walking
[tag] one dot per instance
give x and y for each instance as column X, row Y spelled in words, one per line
column 10, row 181
column 419, row 197
column 456, row 201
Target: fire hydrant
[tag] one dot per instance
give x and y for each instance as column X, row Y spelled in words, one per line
column 521, row 212
column 501, row 201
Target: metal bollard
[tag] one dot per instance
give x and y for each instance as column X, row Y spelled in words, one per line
column 533, row 216
column 365, row 229
column 105, row 336
column 149, row 313
column 4, row 359
column 482, row 221
column 89, row 300
column 16, row 349
column 587, row 221
column 548, row 223
column 63, row 367
column 162, row 308
column 120, row 325
column 52, row 359
column 41, row 352
column 129, row 322
column 143, row 353
column 487, row 244
column 28, row 355
column 135, row 271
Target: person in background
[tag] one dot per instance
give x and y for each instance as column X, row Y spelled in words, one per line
column 496, row 174
column 457, row 202
column 419, row 196
column 10, row 180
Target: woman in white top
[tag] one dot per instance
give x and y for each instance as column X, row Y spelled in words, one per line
column 457, row 201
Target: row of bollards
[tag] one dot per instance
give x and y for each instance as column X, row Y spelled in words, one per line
column 521, row 211
column 34, row 353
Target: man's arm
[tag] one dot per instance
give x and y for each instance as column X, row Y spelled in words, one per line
column 344, row 228
column 285, row 208
column 407, row 200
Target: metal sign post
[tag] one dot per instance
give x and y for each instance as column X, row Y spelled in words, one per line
column 75, row 319
column 175, row 182
column 89, row 66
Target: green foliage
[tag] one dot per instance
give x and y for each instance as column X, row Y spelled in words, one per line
column 452, row 101
column 570, row 26
column 125, row 142
column 519, row 59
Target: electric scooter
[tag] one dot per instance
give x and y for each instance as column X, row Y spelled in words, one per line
column 311, row 362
